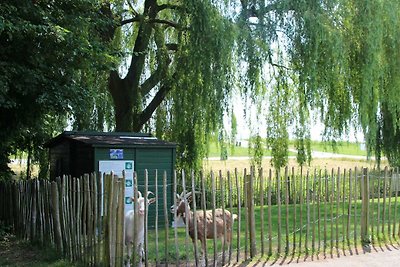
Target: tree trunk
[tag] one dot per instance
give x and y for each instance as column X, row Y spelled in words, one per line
column 123, row 99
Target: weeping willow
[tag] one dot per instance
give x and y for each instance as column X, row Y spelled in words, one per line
column 184, row 60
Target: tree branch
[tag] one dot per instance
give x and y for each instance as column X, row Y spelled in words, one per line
column 155, row 102
column 166, row 22
column 153, row 80
column 167, row 6
column 126, row 21
column 161, row 21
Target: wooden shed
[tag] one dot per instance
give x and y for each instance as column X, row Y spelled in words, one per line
column 76, row 153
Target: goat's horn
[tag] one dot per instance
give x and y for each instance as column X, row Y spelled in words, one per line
column 140, row 194
column 149, row 193
column 181, row 196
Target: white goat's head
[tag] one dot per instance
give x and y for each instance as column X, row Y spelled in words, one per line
column 180, row 203
column 141, row 200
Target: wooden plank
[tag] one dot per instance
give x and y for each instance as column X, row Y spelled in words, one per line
column 186, row 212
column 396, row 194
column 99, row 196
column 252, row 223
column 204, row 207
column 106, row 214
column 287, row 182
column 91, row 225
column 97, row 218
column 294, row 190
column 221, row 184
column 246, row 208
column 378, row 206
column 343, row 211
column 384, row 200
column 78, row 219
column 114, row 241
column 156, row 220
column 332, row 198
column 313, row 199
column 301, row 201
column 389, row 223
column 72, row 212
column 120, row 223
column 56, row 216
column 337, row 207
column 146, row 213
column 231, row 210
column 326, row 209
column 269, row 213
column 308, row 197
column 136, row 257
column 355, row 206
column 349, row 208
column 365, row 207
column 176, row 220
column 89, row 222
column 279, row 205
column 166, row 218
column 372, row 206
column 213, row 216
column 196, row 256
column 239, row 215
column 261, row 210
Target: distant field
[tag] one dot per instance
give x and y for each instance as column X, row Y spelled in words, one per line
column 346, row 148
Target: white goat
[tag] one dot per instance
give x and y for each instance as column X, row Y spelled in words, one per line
column 207, row 221
column 130, row 228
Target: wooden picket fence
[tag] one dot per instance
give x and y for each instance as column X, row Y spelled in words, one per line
column 279, row 213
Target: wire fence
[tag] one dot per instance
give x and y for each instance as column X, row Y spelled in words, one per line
column 236, row 216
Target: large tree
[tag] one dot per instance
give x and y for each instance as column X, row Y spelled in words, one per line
column 175, row 65
column 48, row 50
column 337, row 58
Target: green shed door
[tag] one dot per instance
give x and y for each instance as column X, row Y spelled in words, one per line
column 160, row 159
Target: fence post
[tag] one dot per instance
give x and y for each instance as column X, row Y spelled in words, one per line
column 365, row 238
column 250, row 203
column 56, row 216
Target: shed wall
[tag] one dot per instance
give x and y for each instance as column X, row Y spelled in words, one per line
column 161, row 160
column 81, row 157
column 59, row 159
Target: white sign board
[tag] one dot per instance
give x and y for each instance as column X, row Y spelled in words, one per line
column 117, row 166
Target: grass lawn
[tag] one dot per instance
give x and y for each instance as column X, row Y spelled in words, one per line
column 341, row 147
column 305, row 235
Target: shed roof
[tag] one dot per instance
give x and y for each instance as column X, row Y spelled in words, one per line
column 106, row 139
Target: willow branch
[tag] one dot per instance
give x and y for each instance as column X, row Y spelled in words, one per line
column 167, row 6
column 166, row 22
column 160, row 21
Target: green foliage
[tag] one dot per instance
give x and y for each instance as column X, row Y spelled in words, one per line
column 45, row 47
column 171, row 67
column 256, row 150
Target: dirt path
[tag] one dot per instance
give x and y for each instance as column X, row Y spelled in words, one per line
column 15, row 252
column 375, row 256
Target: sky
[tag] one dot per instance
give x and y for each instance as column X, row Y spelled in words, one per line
column 244, row 130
